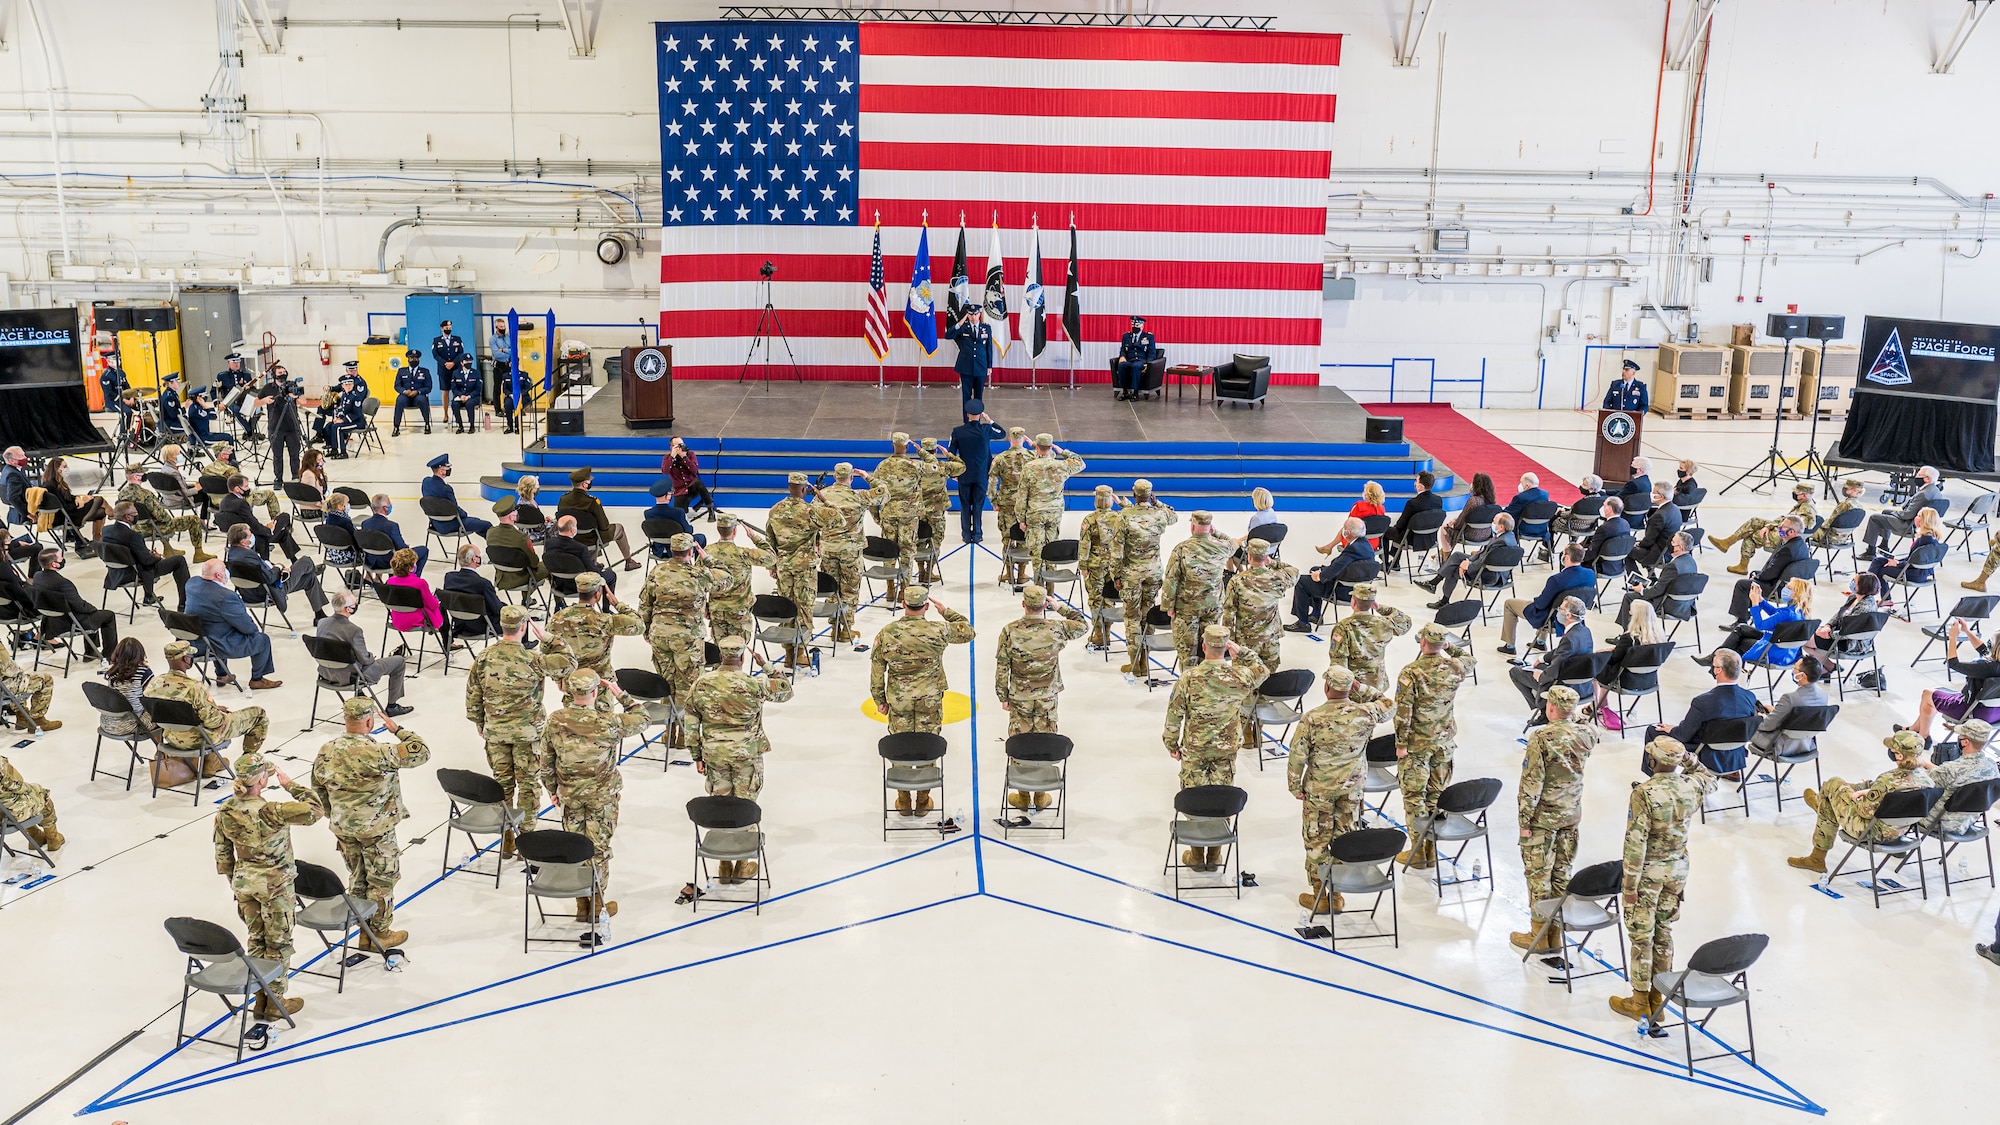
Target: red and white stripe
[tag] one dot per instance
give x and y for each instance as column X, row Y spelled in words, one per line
column 1195, row 164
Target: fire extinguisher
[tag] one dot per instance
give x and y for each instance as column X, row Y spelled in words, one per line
column 325, row 354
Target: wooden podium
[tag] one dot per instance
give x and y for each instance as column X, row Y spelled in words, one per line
column 1617, row 444
column 646, row 386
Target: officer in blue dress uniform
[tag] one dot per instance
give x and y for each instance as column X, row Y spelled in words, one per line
column 1135, row 350
column 975, row 352
column 170, row 406
column 341, row 419
column 436, row 487
column 447, row 347
column 973, row 445
column 413, row 389
column 113, row 383
column 200, row 415
column 1628, row 392
column 465, row 391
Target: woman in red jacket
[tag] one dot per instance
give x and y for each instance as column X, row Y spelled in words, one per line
column 680, row 464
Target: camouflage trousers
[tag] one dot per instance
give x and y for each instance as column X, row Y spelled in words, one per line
column 373, row 866
column 1140, row 587
column 265, row 902
column 677, row 657
column 843, row 561
column 189, row 526
column 923, row 712
column 1044, row 527
column 1422, row 776
column 595, row 819
column 1650, row 925
column 1839, row 812
column 729, row 621
column 1035, row 714
column 1546, row 854
column 801, row 585
column 1756, row 535
column 1187, row 635
column 731, row 774
column 266, row 499
column 1323, row 818
column 248, row 723
column 1094, row 579
column 937, row 513
column 33, row 689
column 1369, row 672
column 898, row 520
column 1208, row 767
column 1265, row 645
column 516, row 763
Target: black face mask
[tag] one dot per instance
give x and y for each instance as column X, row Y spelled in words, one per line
column 1681, row 473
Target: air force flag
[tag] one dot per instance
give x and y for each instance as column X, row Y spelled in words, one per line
column 919, row 312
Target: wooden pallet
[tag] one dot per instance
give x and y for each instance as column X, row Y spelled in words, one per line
column 1689, row 414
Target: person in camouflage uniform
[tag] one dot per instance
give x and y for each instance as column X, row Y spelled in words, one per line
column 1850, row 499
column 1656, row 866
column 220, row 723
column 900, row 476
column 1251, row 601
column 503, row 699
column 222, row 463
column 1027, row 670
column 1043, row 477
column 581, row 770
column 24, row 801
column 1205, row 718
column 939, row 468
column 1844, row 807
column 840, row 545
column 154, row 519
column 729, row 608
column 1762, row 534
column 1140, row 525
column 1192, row 590
column 33, row 689
column 253, row 849
column 1003, row 488
column 674, row 608
column 580, row 636
column 906, row 676
column 1974, row 763
column 1551, row 806
column 728, row 705
column 1328, row 764
column 1097, row 562
column 1359, row 641
column 1426, row 729
column 359, row 784
column 795, row 527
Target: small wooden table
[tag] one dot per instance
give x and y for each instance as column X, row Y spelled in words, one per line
column 1180, row 375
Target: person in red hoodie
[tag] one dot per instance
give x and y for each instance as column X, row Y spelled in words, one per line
column 681, row 465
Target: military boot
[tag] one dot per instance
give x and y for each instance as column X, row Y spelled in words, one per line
column 1722, row 542
column 1315, row 899
column 265, row 1010
column 1637, row 1006
column 1814, row 862
column 383, row 941
column 506, row 843
column 583, row 913
column 1211, row 859
column 604, row 908
column 725, row 873
column 1017, row 799
column 1426, row 857
column 1044, row 800
column 1191, row 858
column 1985, row 571
column 1550, row 941
column 903, row 803
column 921, row 804
column 746, row 870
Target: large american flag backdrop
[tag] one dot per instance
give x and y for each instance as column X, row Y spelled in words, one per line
column 1194, row 165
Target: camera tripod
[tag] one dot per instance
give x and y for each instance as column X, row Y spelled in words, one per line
column 767, row 323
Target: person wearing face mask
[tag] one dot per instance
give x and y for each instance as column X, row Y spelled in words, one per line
column 437, row 487
column 1845, row 807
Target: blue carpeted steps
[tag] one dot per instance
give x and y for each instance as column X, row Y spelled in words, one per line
column 1302, row 476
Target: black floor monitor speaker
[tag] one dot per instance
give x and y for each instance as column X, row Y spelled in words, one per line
column 1826, row 327
column 1385, row 430
column 567, row 422
column 1784, row 326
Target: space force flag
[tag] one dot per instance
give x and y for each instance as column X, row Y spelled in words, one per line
column 920, row 312
column 995, row 305
column 1034, row 304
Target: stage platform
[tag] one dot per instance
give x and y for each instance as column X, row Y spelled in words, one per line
column 1306, row 444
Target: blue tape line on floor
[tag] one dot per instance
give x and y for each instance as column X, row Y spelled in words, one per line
column 191, row 1083
column 972, row 718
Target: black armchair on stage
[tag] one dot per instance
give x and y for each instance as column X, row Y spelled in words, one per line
column 1154, row 377
column 1246, row 378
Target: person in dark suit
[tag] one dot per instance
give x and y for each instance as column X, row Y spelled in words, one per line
column 382, row 524
column 468, row 579
column 49, row 580
column 1628, row 391
column 14, row 483
column 1573, row 576
column 1464, row 565
column 1637, row 490
column 228, row 627
column 1529, row 492
column 1723, row 701
column 972, row 444
column 149, row 565
column 339, row 626
column 1662, row 524
column 1398, row 536
column 1792, row 548
column 302, row 577
column 235, row 508
column 565, row 542
column 1310, row 592
column 436, row 487
column 1532, row 680
column 1135, row 350
column 667, row 510
column 1654, row 593
column 1610, row 525
column 1882, row 525
column 974, row 338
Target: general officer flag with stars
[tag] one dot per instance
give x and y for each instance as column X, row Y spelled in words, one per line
column 960, row 294
column 1072, row 316
column 920, row 311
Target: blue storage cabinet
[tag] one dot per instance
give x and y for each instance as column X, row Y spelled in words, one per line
column 423, row 312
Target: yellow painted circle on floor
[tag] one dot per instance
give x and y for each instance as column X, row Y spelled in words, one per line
column 957, row 708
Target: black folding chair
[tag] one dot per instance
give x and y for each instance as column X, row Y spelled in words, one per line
column 1717, row 976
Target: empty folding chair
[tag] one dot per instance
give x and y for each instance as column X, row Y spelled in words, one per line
column 926, row 553
column 217, row 964
column 1111, row 615
column 1460, row 615
column 880, row 562
column 775, row 621
column 1971, row 805
column 1363, row 862
column 1380, row 779
column 1975, row 519
column 1591, row 904
column 727, row 832
column 370, row 407
column 176, row 717
column 1890, row 835
column 1155, row 632
column 1280, row 702
column 1059, row 569
column 117, row 721
column 558, row 866
column 1038, row 766
column 329, row 909
column 1203, row 836
column 478, row 807
column 912, row 769
column 1638, row 678
column 1014, row 549
column 828, row 606
column 656, row 697
column 1794, row 743
column 1971, row 609
column 1460, row 819
column 1717, row 976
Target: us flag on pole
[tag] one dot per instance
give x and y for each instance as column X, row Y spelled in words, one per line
column 1195, row 161
column 878, row 302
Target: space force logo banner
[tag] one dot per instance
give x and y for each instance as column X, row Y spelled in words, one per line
column 1930, row 359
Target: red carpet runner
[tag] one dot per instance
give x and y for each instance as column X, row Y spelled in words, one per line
column 1466, row 448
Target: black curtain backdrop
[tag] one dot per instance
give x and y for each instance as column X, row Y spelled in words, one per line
column 46, row 417
column 1955, row 436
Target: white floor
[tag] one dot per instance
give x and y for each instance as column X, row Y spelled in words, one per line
column 978, row 981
